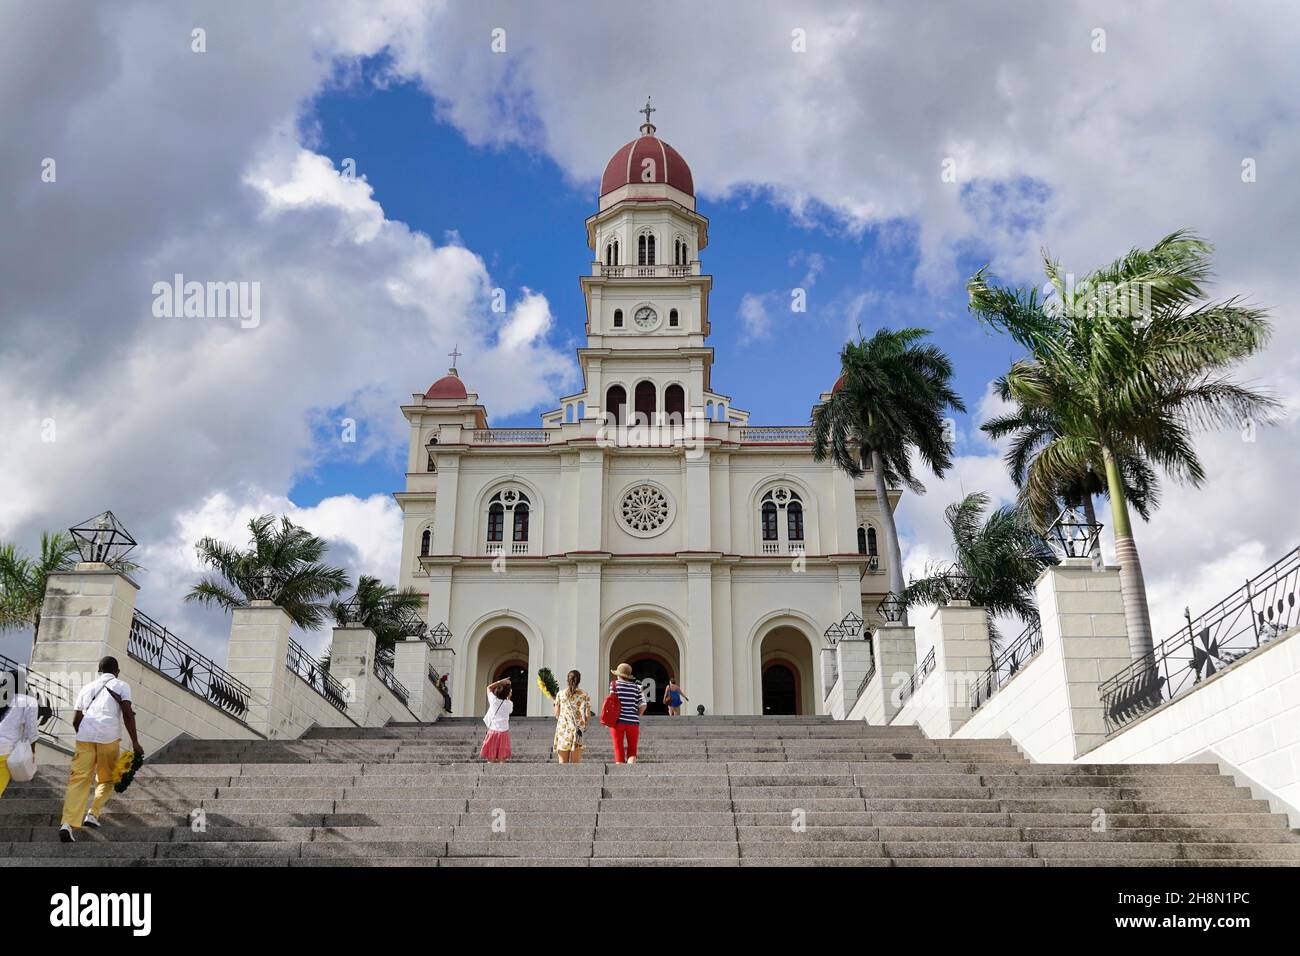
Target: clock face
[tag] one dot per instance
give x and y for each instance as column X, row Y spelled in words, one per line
column 645, row 317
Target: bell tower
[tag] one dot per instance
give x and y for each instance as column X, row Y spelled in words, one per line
column 647, row 300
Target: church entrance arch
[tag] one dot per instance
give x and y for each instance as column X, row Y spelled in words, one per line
column 654, row 655
column 503, row 652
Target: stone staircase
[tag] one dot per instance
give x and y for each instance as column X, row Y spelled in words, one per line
column 721, row 791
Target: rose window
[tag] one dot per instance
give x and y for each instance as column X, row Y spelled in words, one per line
column 645, row 509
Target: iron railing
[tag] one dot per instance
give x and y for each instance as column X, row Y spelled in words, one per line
column 160, row 650
column 1007, row 665
column 389, row 679
column 871, row 672
column 52, row 698
column 830, row 669
column 1265, row 608
column 316, row 676
column 918, row 678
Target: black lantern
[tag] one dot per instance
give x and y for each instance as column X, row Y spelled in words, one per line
column 1073, row 536
column 440, row 634
column 102, row 539
column 852, row 624
column 409, row 624
column 265, row 584
column 834, row 633
column 891, row 608
column 959, row 585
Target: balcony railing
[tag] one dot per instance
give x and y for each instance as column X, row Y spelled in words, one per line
column 1023, row 649
column 777, row 434
column 659, row 271
column 782, row 547
column 316, row 676
column 511, row 436
column 389, row 680
column 160, row 650
column 53, row 700
column 494, row 548
column 1264, row 609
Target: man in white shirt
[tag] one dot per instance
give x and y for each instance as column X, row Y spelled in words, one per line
column 18, row 727
column 100, row 706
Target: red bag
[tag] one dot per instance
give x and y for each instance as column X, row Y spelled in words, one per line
column 611, row 708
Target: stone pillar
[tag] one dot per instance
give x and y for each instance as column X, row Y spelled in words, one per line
column 855, row 658
column 1082, row 613
column 591, row 491
column 445, row 531
column 725, row 656
column 962, row 652
column 258, row 655
column 352, row 663
column 412, row 659
column 698, row 678
column 86, row 616
column 588, row 659
column 896, row 660
column 698, row 512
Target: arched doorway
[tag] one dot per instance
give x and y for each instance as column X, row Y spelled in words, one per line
column 780, row 689
column 786, row 673
column 503, row 652
column 654, row 656
column 517, row 671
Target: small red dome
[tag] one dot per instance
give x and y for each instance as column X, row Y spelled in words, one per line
column 449, row 386
column 628, row 166
column 838, row 383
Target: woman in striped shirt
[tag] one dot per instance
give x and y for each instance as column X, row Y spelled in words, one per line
column 632, row 704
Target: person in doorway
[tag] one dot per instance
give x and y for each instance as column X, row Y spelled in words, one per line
column 496, row 745
column 572, row 712
column 101, row 707
column 673, row 697
column 632, row 704
column 18, row 726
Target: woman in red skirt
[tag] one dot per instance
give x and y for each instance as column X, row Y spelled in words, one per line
column 496, row 745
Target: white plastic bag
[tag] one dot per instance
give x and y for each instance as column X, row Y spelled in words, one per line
column 22, row 762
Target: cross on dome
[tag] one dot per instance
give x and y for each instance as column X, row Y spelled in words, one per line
column 647, row 127
column 454, row 354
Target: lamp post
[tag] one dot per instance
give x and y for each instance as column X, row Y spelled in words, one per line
column 1073, row 536
column 102, row 539
column 834, row 634
column 891, row 608
column 852, row 624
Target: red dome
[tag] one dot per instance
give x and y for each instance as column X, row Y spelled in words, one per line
column 449, row 386
column 839, row 382
column 627, row 166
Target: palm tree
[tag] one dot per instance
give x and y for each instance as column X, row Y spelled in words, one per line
column 282, row 564
column 383, row 609
column 1131, row 361
column 1033, row 427
column 1001, row 554
column 891, row 399
column 23, row 579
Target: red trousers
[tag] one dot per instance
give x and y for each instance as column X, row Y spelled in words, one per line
column 621, row 750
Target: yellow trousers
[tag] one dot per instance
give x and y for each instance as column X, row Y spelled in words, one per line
column 4, row 773
column 91, row 761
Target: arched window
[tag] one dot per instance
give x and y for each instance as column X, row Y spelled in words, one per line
column 871, row 542
column 862, row 541
column 794, row 521
column 521, row 521
column 645, row 249
column 675, row 404
column 672, row 318
column 426, row 540
column 769, row 521
column 616, row 404
column 496, row 521
column 618, row 318
column 645, row 400
column 679, row 251
column 582, row 411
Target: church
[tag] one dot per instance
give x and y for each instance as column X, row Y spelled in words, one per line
column 646, row 520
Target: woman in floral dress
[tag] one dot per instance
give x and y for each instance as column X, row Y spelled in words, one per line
column 572, row 711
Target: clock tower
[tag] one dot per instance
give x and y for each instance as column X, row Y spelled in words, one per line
column 646, row 300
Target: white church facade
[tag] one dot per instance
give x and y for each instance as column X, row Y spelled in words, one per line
column 646, row 520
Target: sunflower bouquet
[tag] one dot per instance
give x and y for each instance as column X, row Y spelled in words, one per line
column 547, row 684
column 124, row 771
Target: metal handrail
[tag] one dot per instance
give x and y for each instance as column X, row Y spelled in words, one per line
column 162, row 651
column 311, row 671
column 1263, row 609
column 918, row 677
column 51, row 696
column 389, row 680
column 1007, row 665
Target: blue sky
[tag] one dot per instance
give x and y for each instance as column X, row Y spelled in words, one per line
column 524, row 215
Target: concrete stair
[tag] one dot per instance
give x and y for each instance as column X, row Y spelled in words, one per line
column 714, row 791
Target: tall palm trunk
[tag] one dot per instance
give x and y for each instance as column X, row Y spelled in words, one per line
column 1136, row 613
column 895, row 550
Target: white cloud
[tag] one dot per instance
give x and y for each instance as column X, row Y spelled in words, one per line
column 755, row 319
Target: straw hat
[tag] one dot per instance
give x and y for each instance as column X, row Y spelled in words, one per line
column 624, row 671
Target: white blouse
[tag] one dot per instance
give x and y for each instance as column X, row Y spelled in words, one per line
column 19, row 724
